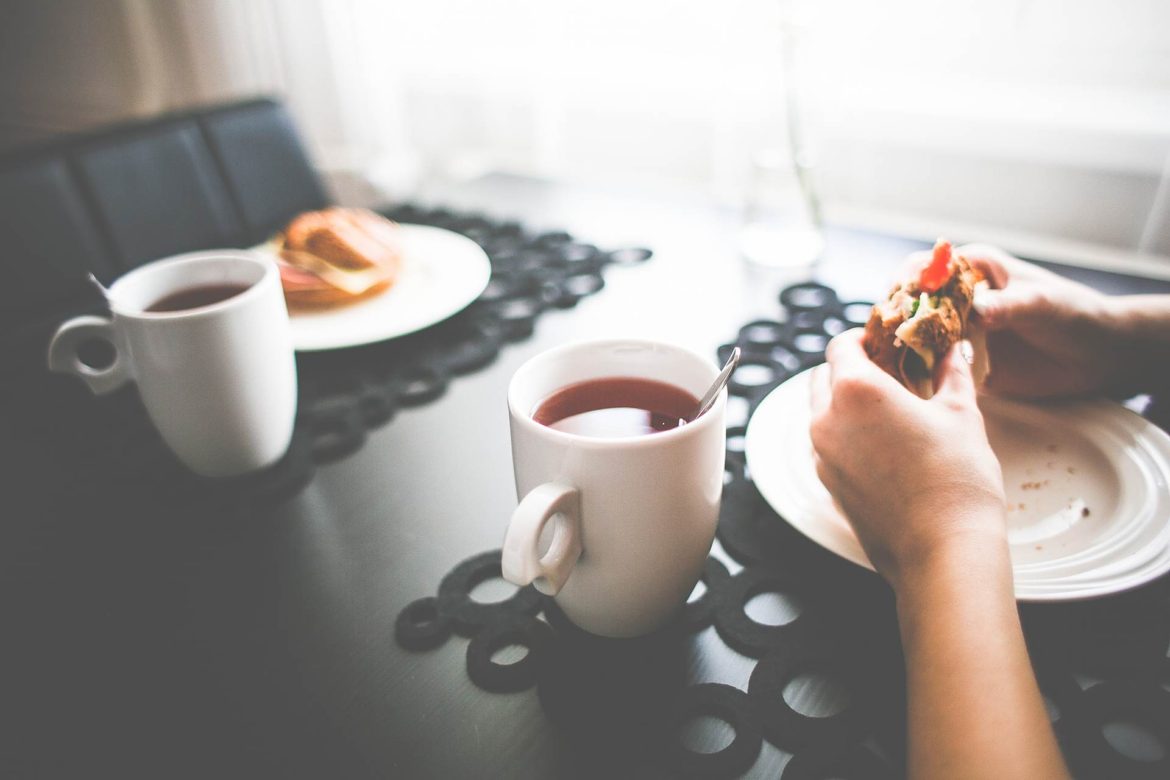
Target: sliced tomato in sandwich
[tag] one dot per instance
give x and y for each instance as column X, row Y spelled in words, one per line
column 935, row 275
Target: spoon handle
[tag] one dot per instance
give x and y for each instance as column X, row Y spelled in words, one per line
column 721, row 380
column 101, row 287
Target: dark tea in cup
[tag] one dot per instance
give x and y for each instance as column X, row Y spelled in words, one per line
column 196, row 297
column 616, row 407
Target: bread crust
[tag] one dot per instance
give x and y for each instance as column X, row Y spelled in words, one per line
column 337, row 256
column 933, row 330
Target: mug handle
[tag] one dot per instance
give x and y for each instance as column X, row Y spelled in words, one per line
column 63, row 358
column 522, row 562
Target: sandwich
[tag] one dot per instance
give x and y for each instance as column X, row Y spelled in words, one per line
column 922, row 318
column 337, row 256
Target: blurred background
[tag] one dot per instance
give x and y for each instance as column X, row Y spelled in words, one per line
column 1043, row 125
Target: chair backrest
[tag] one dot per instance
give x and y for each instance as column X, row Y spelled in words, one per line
column 264, row 166
column 108, row 201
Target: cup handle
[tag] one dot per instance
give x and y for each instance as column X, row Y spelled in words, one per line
column 63, row 358
column 522, row 562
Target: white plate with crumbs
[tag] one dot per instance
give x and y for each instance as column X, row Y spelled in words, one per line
column 1087, row 485
column 441, row 273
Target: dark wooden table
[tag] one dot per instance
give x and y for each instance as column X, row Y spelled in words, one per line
column 147, row 638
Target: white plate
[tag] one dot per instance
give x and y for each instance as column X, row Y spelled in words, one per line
column 1055, row 459
column 441, row 273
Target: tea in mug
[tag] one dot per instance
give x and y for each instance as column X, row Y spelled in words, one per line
column 196, row 297
column 616, row 407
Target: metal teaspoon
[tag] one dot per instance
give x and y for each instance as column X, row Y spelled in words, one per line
column 721, row 380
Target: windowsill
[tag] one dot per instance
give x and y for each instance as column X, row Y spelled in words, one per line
column 1022, row 243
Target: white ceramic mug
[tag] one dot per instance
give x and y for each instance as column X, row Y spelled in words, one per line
column 632, row 518
column 219, row 381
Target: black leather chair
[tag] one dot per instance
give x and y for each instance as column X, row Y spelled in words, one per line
column 108, row 201
column 48, row 237
column 156, row 191
column 268, row 177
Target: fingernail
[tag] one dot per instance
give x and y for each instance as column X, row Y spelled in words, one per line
column 983, row 299
column 967, row 351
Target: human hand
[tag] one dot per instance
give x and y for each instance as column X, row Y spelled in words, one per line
column 915, row 477
column 1047, row 336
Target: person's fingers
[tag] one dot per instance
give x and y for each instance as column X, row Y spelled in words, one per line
column 821, row 392
column 822, row 470
column 1006, row 308
column 996, row 275
column 996, row 265
column 847, row 358
column 955, row 381
column 846, row 351
column 1021, row 370
column 847, row 341
column 820, row 398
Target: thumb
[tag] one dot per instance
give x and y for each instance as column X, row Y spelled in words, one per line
column 1006, row 308
column 955, row 379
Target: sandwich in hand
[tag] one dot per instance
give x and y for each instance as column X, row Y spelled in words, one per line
column 910, row 332
column 336, row 256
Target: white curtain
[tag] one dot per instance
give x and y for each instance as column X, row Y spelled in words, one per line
column 1025, row 121
column 1020, row 118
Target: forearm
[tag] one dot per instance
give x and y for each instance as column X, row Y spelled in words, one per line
column 975, row 710
column 1142, row 326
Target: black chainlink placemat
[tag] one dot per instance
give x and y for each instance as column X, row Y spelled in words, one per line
column 342, row 394
column 623, row 703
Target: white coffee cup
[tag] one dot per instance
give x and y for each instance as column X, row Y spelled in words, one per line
column 218, row 381
column 632, row 518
